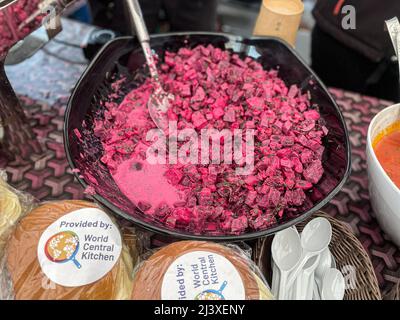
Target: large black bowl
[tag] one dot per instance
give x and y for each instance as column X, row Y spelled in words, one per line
column 124, row 55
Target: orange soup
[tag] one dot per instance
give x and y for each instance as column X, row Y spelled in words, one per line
column 387, row 149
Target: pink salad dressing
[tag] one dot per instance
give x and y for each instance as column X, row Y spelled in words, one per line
column 217, row 89
column 146, row 185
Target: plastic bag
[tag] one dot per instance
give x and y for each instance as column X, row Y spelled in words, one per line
column 194, row 270
column 69, row 250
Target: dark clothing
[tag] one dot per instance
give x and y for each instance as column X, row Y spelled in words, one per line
column 359, row 60
column 369, row 38
column 182, row 15
column 342, row 67
column 110, row 14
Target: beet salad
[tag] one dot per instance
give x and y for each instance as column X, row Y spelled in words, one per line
column 281, row 145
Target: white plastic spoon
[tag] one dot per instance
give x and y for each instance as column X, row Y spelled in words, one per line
column 304, row 285
column 315, row 238
column 316, row 295
column 286, row 252
column 325, row 263
column 276, row 278
column 333, row 285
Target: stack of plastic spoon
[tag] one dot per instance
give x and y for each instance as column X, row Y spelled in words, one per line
column 303, row 266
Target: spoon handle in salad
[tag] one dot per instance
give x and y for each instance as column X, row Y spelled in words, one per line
column 143, row 36
column 138, row 20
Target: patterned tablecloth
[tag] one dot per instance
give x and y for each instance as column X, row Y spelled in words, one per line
column 44, row 83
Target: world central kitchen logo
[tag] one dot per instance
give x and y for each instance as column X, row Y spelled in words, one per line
column 212, row 294
column 64, row 247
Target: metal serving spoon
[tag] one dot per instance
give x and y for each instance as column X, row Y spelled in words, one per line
column 159, row 101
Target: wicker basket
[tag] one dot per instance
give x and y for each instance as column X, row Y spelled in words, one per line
column 347, row 251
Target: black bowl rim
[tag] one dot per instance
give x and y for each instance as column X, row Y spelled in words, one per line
column 6, row 3
column 180, row 235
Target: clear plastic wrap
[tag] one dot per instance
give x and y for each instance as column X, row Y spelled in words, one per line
column 57, row 253
column 196, row 270
column 13, row 205
column 27, row 238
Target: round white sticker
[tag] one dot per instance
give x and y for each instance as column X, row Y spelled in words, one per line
column 79, row 248
column 202, row 275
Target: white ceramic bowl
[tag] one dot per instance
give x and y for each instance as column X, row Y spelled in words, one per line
column 384, row 194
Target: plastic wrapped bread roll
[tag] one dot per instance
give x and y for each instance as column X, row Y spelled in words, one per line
column 69, row 250
column 193, row 270
column 13, row 205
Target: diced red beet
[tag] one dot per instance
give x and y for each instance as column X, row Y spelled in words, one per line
column 312, row 115
column 191, row 201
column 290, row 183
column 226, row 225
column 251, row 180
column 174, row 176
column 215, row 88
column 287, row 141
column 263, row 222
column 295, row 197
column 211, row 227
column 305, row 185
column 199, row 95
column 287, row 126
column 293, row 91
column 308, row 125
column 220, row 103
column 314, row 145
column 199, row 216
column 218, row 113
column 198, row 119
column 267, row 118
column 216, row 213
column 271, row 199
column 284, row 153
column 251, row 197
column 229, row 115
column 255, row 102
column 287, row 163
column 90, row 190
column 185, row 90
column 144, row 206
column 263, row 189
column 205, row 197
column 306, row 156
column 239, row 225
column 162, row 211
column 288, row 173
column 298, row 166
column 182, row 215
column 314, row 172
